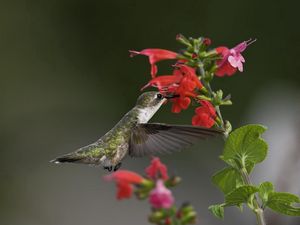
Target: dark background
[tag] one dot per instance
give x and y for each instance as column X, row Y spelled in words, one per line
column 66, row 78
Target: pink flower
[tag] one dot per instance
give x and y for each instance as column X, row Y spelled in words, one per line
column 205, row 115
column 157, row 170
column 161, row 197
column 155, row 55
column 232, row 59
column 124, row 180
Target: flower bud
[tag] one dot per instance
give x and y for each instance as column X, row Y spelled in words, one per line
column 189, row 218
column 183, row 40
column 156, row 217
column 173, row 181
column 168, row 221
column 207, row 41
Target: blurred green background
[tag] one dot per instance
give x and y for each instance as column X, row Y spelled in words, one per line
column 66, row 78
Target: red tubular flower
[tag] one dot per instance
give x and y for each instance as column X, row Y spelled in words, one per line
column 190, row 74
column 183, row 83
column 205, row 115
column 232, row 60
column 164, row 83
column 155, row 55
column 124, row 180
column 180, row 104
column 157, row 170
column 186, row 88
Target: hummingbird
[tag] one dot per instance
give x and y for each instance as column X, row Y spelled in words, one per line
column 134, row 136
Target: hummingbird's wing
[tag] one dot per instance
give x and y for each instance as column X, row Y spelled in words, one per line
column 154, row 138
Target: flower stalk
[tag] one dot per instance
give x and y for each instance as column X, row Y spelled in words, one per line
column 259, row 212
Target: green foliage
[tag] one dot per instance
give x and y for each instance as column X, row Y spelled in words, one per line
column 240, row 195
column 283, row 203
column 217, row 210
column 227, row 179
column 265, row 189
column 244, row 147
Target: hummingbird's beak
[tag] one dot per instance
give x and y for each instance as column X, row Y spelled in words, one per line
column 170, row 96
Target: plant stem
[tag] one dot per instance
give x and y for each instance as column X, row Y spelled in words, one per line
column 257, row 209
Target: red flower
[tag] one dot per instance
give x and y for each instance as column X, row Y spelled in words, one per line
column 180, row 104
column 205, row 115
column 164, row 83
column 231, row 59
column 186, row 88
column 155, row 55
column 157, row 170
column 124, row 180
column 183, row 83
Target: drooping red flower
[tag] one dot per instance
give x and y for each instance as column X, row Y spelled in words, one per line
column 124, row 180
column 232, row 59
column 155, row 55
column 164, row 83
column 161, row 197
column 157, row 170
column 183, row 83
column 205, row 115
column 186, row 88
column 180, row 103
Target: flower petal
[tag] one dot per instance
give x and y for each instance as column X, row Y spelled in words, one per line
column 157, row 169
column 205, row 115
column 124, row 190
column 155, row 55
column 124, row 176
column 161, row 197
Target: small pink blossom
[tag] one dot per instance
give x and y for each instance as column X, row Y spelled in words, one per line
column 232, row 59
column 160, row 196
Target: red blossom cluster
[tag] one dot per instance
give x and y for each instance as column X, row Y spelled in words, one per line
column 125, row 180
column 189, row 84
column 156, row 187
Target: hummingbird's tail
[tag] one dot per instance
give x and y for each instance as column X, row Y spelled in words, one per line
column 69, row 158
column 85, row 155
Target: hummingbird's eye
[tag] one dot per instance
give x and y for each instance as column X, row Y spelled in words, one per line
column 159, row 96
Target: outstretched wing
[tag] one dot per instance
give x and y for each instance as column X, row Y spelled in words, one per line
column 156, row 138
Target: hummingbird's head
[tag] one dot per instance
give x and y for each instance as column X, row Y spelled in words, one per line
column 151, row 99
column 149, row 102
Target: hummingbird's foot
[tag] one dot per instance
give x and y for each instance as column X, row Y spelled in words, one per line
column 108, row 168
column 117, row 166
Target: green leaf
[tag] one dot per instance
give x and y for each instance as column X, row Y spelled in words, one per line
column 265, row 189
column 217, row 210
column 240, row 195
column 227, row 179
column 283, row 203
column 244, row 147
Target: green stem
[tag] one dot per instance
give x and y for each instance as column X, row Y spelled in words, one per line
column 216, row 107
column 257, row 209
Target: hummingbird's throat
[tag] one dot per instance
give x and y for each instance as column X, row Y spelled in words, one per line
column 145, row 114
